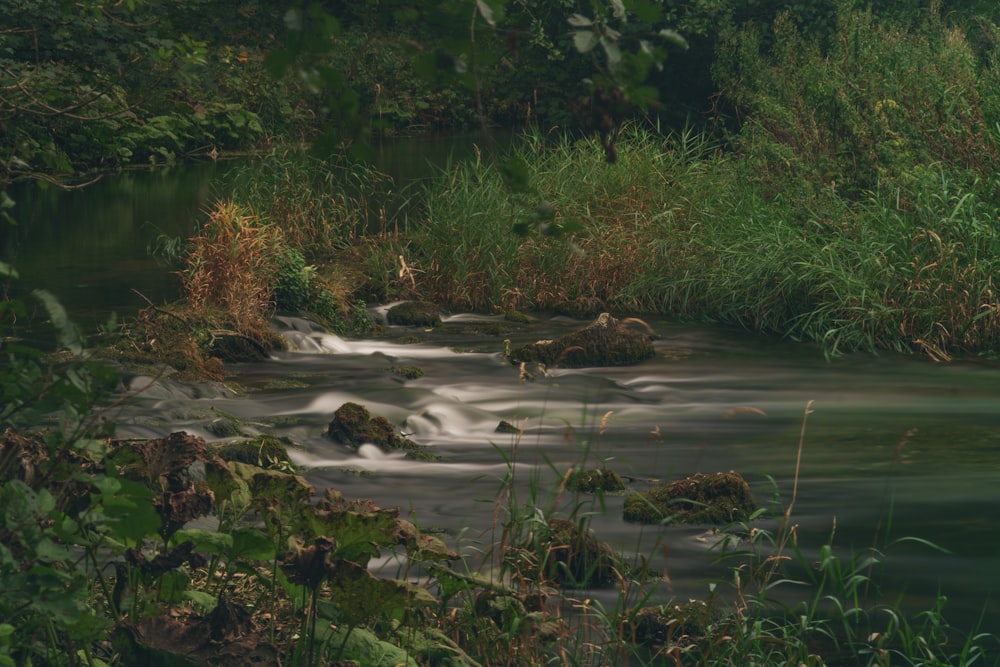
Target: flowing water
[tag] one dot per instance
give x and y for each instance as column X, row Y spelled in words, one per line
column 894, row 446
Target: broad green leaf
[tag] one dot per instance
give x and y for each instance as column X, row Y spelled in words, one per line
column 211, row 541
column 365, row 648
column 253, row 544
column 204, row 601
column 69, row 337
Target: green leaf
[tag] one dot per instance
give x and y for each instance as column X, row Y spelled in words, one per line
column 365, row 648
column 69, row 337
column 7, row 270
column 252, row 543
column 129, row 508
column 579, row 21
column 584, row 41
column 204, row 601
column 516, row 175
column 210, row 541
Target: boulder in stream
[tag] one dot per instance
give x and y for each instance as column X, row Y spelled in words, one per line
column 575, row 557
column 353, row 425
column 715, row 498
column 604, row 342
column 414, row 314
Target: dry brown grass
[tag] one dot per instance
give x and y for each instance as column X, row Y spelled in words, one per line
column 230, row 268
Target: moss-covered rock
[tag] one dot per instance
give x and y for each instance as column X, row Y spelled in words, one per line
column 603, row 342
column 575, row 557
column 264, row 451
column 407, row 372
column 414, row 314
column 715, row 498
column 516, row 316
column 676, row 623
column 594, row 480
column 224, row 425
column 354, row 425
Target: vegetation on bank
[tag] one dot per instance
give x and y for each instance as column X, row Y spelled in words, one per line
column 857, row 206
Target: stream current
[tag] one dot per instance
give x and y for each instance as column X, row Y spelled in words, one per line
column 893, row 447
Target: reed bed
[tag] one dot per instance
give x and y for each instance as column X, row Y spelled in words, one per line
column 680, row 228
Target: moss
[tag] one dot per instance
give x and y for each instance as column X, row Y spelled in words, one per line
column 354, row 426
column 414, row 314
column 407, row 372
column 716, row 498
column 417, row 453
column 603, row 342
column 264, row 451
column 675, row 623
column 580, row 308
column 575, row 557
column 194, row 343
column 516, row 316
column 594, row 480
column 224, row 425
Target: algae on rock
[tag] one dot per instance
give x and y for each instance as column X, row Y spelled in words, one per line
column 604, row 342
column 715, row 498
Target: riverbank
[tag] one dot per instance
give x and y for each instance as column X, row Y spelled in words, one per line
column 680, row 229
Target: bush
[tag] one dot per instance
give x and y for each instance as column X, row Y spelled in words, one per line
column 869, row 110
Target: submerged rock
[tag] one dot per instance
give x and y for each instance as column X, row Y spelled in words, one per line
column 575, row 557
column 414, row 314
column 354, row 426
column 715, row 498
column 264, row 451
column 594, row 480
column 604, row 342
column 680, row 623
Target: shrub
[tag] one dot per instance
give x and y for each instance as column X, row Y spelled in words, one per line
column 862, row 113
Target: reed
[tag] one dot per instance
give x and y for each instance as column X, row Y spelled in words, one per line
column 677, row 227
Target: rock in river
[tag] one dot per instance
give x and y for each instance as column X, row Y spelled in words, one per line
column 604, row 342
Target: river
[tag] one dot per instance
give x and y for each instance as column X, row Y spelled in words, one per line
column 895, row 446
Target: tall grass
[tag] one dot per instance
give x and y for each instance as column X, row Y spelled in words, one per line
column 679, row 228
column 858, row 209
column 321, row 206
